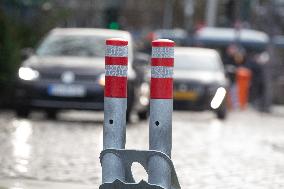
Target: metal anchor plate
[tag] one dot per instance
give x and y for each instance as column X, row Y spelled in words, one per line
column 130, row 156
column 117, row 184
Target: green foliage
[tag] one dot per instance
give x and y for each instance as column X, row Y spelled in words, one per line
column 17, row 33
column 9, row 50
column 24, row 3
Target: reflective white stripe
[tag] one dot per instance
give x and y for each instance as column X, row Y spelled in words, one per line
column 162, row 52
column 162, row 72
column 116, row 70
column 116, row 51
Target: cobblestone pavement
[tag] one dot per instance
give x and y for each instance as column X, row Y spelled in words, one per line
column 245, row 151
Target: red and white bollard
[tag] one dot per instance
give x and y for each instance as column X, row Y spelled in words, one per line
column 115, row 105
column 161, row 108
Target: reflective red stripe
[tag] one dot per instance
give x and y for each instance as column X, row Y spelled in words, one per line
column 161, row 88
column 163, row 43
column 115, row 87
column 162, row 62
column 116, row 42
column 116, row 60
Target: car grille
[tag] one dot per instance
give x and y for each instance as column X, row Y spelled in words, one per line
column 57, row 77
column 50, row 76
column 189, row 86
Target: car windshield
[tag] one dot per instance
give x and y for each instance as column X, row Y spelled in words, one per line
column 72, row 45
column 197, row 62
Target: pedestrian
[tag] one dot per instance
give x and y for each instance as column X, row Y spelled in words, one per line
column 235, row 58
column 256, row 87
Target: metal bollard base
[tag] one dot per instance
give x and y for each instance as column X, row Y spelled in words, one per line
column 130, row 156
column 117, row 184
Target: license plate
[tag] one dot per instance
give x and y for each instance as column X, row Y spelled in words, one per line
column 62, row 90
column 185, row 95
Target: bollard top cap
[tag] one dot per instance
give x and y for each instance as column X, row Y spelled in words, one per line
column 163, row 43
column 116, row 42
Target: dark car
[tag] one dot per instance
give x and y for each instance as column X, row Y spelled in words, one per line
column 221, row 38
column 67, row 72
column 199, row 80
column 179, row 36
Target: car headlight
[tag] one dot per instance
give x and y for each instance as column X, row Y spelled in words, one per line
column 218, row 98
column 144, row 94
column 101, row 80
column 28, row 74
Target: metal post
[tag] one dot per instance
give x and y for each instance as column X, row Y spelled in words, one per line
column 115, row 104
column 211, row 13
column 168, row 14
column 161, row 107
column 188, row 15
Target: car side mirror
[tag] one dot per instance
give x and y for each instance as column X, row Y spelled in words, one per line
column 141, row 60
column 26, row 53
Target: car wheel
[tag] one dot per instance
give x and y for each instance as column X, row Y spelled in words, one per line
column 129, row 110
column 143, row 115
column 51, row 114
column 222, row 112
column 22, row 112
column 130, row 102
column 128, row 117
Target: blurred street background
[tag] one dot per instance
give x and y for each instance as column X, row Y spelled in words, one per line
column 24, row 23
column 44, row 72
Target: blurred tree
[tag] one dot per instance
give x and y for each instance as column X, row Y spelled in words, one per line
column 9, row 55
column 22, row 24
column 25, row 3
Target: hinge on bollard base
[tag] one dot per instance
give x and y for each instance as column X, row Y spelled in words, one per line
column 130, row 156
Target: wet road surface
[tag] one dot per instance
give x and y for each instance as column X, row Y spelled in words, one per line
column 245, row 151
